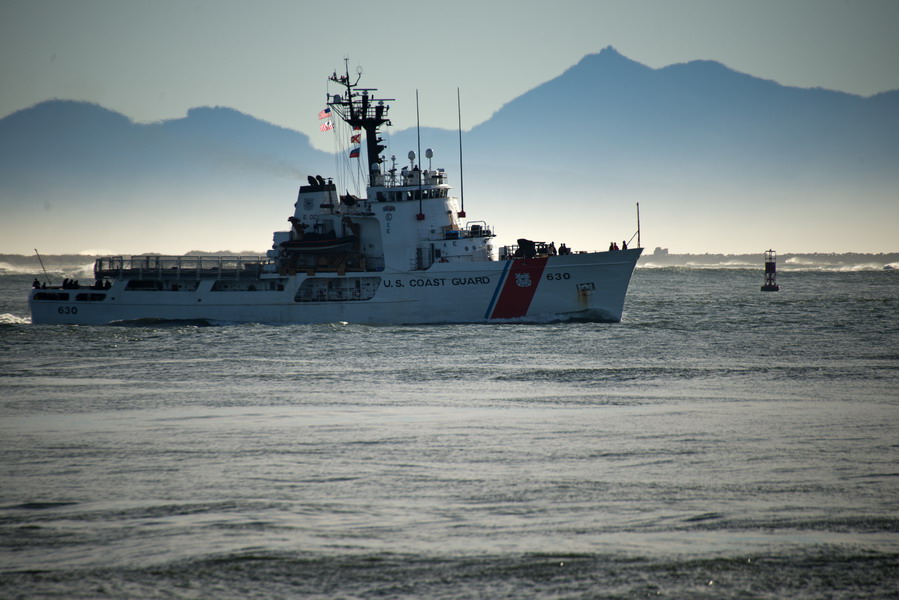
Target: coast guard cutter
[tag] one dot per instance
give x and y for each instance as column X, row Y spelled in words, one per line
column 404, row 253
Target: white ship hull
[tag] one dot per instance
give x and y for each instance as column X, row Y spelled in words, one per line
column 589, row 286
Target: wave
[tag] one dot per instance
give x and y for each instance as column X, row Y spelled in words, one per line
column 832, row 263
column 260, row 572
column 797, row 263
column 10, row 269
column 154, row 322
column 80, row 271
column 9, row 319
column 698, row 265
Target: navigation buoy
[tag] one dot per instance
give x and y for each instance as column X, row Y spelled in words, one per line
column 770, row 272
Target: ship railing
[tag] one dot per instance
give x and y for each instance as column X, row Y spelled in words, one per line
column 477, row 229
column 531, row 250
column 154, row 266
column 429, row 179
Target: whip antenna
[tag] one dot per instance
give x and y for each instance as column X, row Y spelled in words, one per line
column 461, row 180
column 421, row 214
column 638, row 226
column 46, row 277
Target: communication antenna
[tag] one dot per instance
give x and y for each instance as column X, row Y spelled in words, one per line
column 429, row 154
column 461, row 180
column 46, row 277
column 421, row 215
column 638, row 226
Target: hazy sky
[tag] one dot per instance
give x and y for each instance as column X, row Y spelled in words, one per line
column 153, row 60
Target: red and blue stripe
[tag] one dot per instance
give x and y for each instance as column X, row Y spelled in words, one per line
column 516, row 288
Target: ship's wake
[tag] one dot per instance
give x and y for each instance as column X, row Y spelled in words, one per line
column 164, row 323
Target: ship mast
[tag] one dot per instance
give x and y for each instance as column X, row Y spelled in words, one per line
column 358, row 107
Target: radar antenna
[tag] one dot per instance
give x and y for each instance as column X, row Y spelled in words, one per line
column 360, row 109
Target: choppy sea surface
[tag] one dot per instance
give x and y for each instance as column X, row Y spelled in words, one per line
column 719, row 442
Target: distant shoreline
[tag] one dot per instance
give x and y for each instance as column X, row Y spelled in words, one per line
column 820, row 260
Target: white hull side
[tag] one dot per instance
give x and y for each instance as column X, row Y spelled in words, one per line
column 579, row 286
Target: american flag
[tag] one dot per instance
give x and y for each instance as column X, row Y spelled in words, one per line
column 324, row 114
column 326, row 126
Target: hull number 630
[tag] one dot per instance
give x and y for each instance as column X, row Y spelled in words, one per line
column 557, row 276
column 67, row 310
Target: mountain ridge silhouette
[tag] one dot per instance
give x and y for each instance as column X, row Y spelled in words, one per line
column 606, row 126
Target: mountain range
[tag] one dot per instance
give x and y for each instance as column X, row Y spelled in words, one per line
column 720, row 161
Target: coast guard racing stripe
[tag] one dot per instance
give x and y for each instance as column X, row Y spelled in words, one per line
column 518, row 288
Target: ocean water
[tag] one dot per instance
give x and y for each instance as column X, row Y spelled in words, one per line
column 719, row 442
